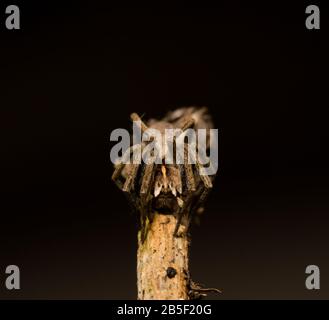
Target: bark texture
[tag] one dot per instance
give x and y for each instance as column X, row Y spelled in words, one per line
column 162, row 261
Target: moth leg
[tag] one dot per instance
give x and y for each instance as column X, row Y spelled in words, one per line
column 124, row 161
column 189, row 176
column 191, row 188
column 183, row 214
column 117, row 171
column 136, row 118
column 145, row 194
column 178, row 223
column 198, row 207
column 130, row 181
column 205, row 178
column 205, row 188
column 201, row 194
column 147, row 180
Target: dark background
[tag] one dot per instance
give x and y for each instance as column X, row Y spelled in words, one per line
column 75, row 71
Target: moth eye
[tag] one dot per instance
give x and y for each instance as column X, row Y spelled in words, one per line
column 157, row 189
column 172, row 188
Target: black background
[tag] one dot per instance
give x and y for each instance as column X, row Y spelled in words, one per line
column 75, row 71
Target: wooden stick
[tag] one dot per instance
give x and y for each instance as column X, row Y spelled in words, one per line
column 162, row 261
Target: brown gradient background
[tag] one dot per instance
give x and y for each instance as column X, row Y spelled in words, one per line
column 76, row 72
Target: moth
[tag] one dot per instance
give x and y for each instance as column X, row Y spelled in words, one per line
column 176, row 189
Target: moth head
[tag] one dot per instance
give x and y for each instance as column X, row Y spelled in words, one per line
column 167, row 180
column 167, row 187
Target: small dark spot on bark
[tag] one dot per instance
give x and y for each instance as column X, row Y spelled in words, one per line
column 171, row 272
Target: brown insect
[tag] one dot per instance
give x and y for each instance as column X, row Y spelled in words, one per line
column 177, row 189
